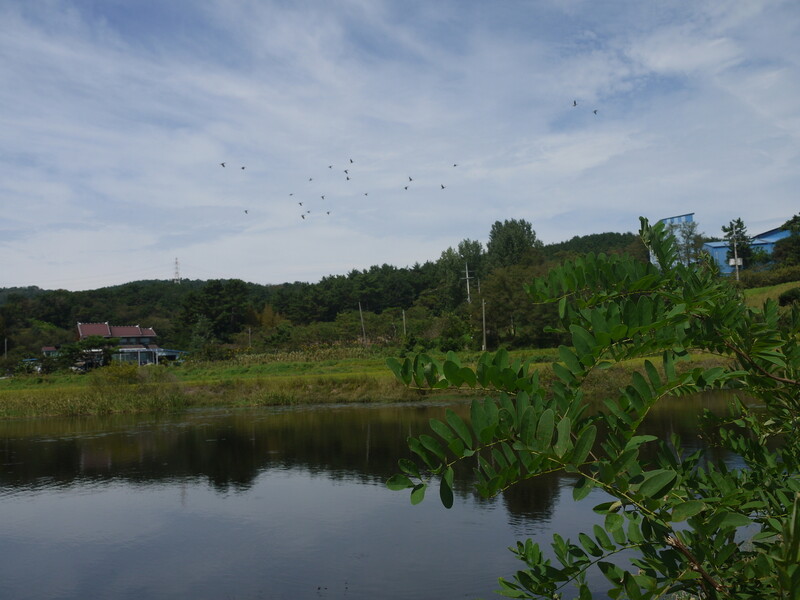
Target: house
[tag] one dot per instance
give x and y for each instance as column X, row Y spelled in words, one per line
column 763, row 241
column 136, row 344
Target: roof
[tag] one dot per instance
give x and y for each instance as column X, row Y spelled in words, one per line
column 106, row 330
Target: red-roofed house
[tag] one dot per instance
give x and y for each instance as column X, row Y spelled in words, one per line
column 136, row 344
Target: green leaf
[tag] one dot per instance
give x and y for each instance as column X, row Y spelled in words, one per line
column 442, row 430
column 658, row 483
column 564, row 433
column 398, row 481
column 446, row 488
column 433, row 445
column 395, row 367
column 582, row 488
column 570, row 360
column 687, row 509
column 409, row 467
column 452, row 373
column 544, row 430
column 468, row 376
column 589, row 545
column 584, row 445
column 459, row 427
column 418, row 493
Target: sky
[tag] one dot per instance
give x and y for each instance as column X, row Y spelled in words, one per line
column 576, row 115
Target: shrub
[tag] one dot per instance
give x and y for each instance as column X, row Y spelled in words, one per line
column 694, row 523
column 789, row 296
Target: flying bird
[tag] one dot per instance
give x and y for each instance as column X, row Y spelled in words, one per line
column 323, row 197
column 300, row 203
column 410, row 179
column 348, row 179
column 330, row 166
column 223, row 164
column 595, row 111
column 311, row 179
column 327, row 213
column 346, row 171
column 242, row 168
column 574, row 103
column 366, row 194
column 442, row 185
column 351, row 161
column 405, row 187
column 302, row 217
column 245, row 211
column 455, row 165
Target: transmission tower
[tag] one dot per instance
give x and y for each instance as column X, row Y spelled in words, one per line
column 176, row 277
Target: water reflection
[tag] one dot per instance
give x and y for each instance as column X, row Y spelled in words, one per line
column 260, row 504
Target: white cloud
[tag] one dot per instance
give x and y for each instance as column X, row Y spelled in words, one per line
column 113, row 129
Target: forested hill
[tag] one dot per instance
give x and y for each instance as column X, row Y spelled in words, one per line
column 188, row 313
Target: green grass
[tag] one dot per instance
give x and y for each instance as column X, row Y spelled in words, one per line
column 756, row 297
column 250, row 380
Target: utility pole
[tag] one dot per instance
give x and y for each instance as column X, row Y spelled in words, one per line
column 467, row 277
column 404, row 323
column 483, row 316
column 363, row 330
column 735, row 251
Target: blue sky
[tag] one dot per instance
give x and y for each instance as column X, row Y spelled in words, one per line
column 117, row 114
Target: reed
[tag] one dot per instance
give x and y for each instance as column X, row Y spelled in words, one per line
column 255, row 381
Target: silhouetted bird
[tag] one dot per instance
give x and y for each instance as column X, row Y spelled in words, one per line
column 323, row 197
column 327, row 213
column 366, row 194
column 303, row 217
column 455, row 165
column 223, row 164
column 348, row 179
column 574, row 103
column 300, row 203
column 311, row 179
column 351, row 161
column 245, row 211
column 330, row 166
column 410, row 179
column 346, row 171
column 442, row 185
column 405, row 187
column 595, row 111
column 242, row 168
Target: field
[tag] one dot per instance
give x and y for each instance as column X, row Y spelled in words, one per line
column 335, row 375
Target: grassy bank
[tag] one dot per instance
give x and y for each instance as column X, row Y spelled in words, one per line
column 250, row 380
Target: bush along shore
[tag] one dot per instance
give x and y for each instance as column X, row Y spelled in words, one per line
column 248, row 381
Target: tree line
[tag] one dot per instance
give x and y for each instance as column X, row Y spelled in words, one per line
column 441, row 303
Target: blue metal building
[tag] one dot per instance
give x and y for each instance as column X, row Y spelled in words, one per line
column 763, row 241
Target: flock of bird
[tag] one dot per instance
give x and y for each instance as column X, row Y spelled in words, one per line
column 305, row 211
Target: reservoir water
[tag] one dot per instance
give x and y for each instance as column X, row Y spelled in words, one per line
column 284, row 503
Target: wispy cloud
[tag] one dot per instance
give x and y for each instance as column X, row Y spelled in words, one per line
column 116, row 118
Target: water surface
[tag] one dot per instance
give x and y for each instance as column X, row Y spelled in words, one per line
column 268, row 503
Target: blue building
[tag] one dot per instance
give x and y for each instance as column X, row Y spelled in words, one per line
column 763, row 241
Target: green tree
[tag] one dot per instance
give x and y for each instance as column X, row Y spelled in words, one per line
column 787, row 250
column 689, row 240
column 736, row 235
column 510, row 243
column 692, row 522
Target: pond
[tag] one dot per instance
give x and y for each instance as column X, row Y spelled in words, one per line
column 270, row 503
